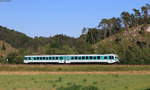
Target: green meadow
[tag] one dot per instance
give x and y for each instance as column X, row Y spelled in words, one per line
column 74, row 77
column 75, row 82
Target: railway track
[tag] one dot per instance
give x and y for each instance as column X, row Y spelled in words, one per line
column 79, row 64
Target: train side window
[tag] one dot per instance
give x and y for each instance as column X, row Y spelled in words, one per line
column 91, row 57
column 49, row 58
column 37, row 58
column 56, row 58
column 111, row 57
column 53, row 58
column 94, row 57
column 72, row 58
column 43, row 58
column 79, row 58
column 76, row 58
column 105, row 57
column 87, row 57
column 40, row 58
column 34, row 58
column 83, row 57
column 29, row 58
column 98, row 57
column 61, row 58
column 46, row 58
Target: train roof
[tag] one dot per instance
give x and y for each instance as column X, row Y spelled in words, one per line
column 74, row 55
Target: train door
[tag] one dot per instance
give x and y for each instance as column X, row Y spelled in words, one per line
column 67, row 59
column 62, row 59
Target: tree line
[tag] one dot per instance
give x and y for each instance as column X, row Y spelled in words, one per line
column 111, row 26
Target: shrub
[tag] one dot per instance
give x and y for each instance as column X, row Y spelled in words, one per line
column 78, row 87
column 94, row 82
column 54, row 85
column 59, row 79
column 84, row 80
column 147, row 89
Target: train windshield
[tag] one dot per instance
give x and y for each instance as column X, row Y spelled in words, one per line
column 116, row 58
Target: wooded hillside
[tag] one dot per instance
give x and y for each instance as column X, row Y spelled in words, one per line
column 127, row 35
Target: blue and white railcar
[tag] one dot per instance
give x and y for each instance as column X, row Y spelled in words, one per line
column 91, row 58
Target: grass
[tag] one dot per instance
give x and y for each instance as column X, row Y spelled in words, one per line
column 75, row 68
column 75, row 82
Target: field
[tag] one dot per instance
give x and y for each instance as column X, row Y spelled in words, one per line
column 74, row 77
column 74, row 68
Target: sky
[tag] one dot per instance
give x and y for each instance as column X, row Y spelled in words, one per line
column 50, row 17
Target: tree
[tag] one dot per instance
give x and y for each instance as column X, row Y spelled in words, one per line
column 115, row 25
column 145, row 13
column 3, row 47
column 110, row 26
column 137, row 18
column 104, row 26
column 91, row 36
column 14, row 58
column 126, row 19
column 84, row 30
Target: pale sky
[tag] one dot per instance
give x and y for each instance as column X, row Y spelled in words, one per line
column 50, row 17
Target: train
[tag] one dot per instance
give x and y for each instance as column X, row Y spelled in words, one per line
column 67, row 59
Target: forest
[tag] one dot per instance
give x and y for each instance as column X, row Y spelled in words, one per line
column 127, row 36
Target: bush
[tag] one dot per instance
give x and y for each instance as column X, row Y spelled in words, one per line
column 78, row 87
column 3, row 60
column 13, row 58
column 147, row 89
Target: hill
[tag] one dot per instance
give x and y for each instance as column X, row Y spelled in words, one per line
column 6, row 48
column 17, row 44
column 127, row 35
column 14, row 38
column 133, row 46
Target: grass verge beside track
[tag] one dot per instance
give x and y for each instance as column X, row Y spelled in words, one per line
column 74, row 68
